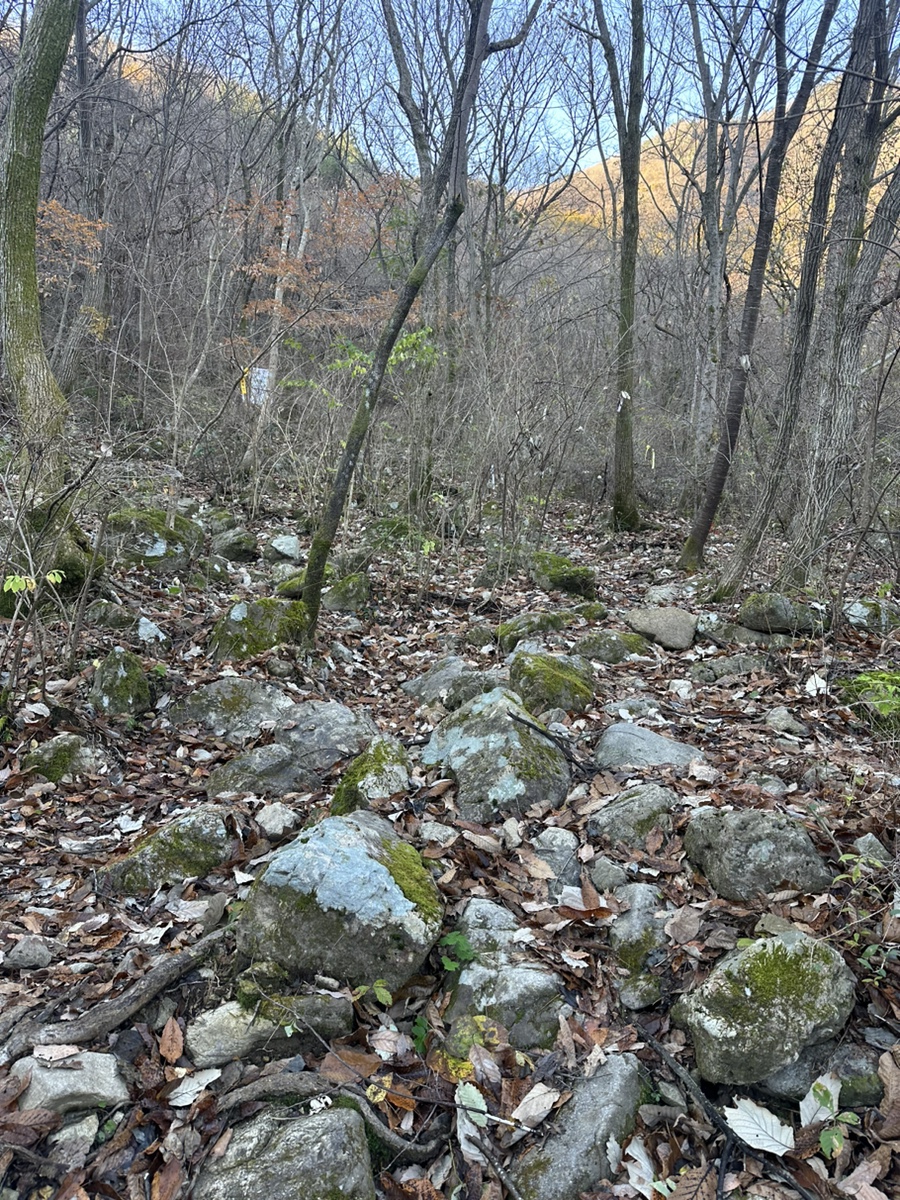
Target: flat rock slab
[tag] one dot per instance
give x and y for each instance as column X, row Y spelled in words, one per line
column 348, row 899
column 671, row 628
column 231, row 1032
column 759, row 1007
column 746, row 853
column 84, row 1081
column 318, row 1157
column 574, row 1158
column 322, row 733
column 771, row 612
column 624, row 744
column 192, row 844
column 265, row 771
column 630, row 816
column 498, row 762
column 233, row 708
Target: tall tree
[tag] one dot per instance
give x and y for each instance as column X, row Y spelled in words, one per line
column 628, row 104
column 41, row 406
column 786, row 121
column 440, row 141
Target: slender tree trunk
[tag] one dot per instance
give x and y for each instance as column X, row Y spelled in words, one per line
column 785, row 125
column 362, row 419
column 40, row 403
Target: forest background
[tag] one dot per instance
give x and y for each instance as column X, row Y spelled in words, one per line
column 233, row 196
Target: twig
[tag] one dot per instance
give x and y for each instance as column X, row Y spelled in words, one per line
column 782, row 1174
column 488, row 1151
column 111, row 1013
column 583, row 768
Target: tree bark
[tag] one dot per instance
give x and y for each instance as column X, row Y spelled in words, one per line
column 785, row 125
column 41, row 406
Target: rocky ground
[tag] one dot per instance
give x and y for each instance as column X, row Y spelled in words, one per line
column 584, row 891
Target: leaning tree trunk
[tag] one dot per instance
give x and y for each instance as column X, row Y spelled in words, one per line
column 785, row 125
column 41, row 406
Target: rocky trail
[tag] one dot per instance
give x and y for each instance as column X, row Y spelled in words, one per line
column 542, row 880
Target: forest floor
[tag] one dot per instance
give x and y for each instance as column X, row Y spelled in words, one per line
column 53, row 838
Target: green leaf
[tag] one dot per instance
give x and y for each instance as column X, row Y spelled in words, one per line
column 382, row 995
column 469, row 1098
column 832, row 1141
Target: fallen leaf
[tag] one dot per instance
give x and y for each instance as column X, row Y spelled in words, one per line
column 759, row 1128
column 171, row 1041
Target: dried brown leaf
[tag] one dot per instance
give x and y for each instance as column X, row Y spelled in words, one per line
column 171, row 1041
column 697, row 1183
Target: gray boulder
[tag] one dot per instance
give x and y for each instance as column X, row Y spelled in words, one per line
column 497, row 762
column 347, row 595
column 263, row 771
column 380, row 771
column 856, row 1066
column 671, row 628
column 608, row 646
column 284, row 547
column 876, row 616
column 631, row 815
column 235, row 708
column 279, row 1027
column 526, row 625
column 236, row 544
column 761, row 1006
column 120, row 685
column 559, row 850
column 348, row 899
column 552, row 681
column 64, row 756
column 147, row 537
column 637, row 938
column 711, row 625
column 624, row 744
column 433, row 686
column 575, row 1157
column 319, row 1157
column 86, row 1080
column 503, row 983
column 771, row 612
column 746, row 852
column 321, row 733
column 191, row 845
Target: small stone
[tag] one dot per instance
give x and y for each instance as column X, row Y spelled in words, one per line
column 28, row 954
column 624, row 744
column 277, row 819
column 84, row 1081
column 781, row 720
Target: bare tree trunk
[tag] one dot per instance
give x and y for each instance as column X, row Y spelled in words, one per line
column 40, row 403
column 786, row 123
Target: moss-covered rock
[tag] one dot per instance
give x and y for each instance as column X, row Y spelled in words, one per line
column 760, row 1006
column 120, row 685
column 235, row 545
column 251, row 627
column 591, row 610
column 525, row 625
column 145, row 537
column 608, row 646
column 555, row 572
column 194, row 844
column 348, row 899
column 636, row 939
column 349, row 594
column 380, row 771
column 292, row 587
column 234, row 708
column 875, row 697
column 772, row 612
column 547, row 681
column 499, row 763
column 63, row 757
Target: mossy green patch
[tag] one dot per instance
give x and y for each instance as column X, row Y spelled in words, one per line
column 408, row 871
column 555, row 572
column 510, row 633
column 376, row 762
column 547, row 681
column 250, row 628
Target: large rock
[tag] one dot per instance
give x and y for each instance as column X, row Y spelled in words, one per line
column 636, row 938
column 348, row 594
column 502, row 982
column 348, row 899
column 323, row 1156
column 284, row 547
column 555, row 572
column 624, row 744
column 192, row 844
column 762, row 1005
column 120, row 685
column 263, row 771
column 771, row 612
column 278, row 1027
column 64, row 756
column 630, row 816
column 608, row 646
column 575, row 1157
column 745, row 853
column 236, row 544
column 146, row 537
column 379, row 772
column 250, row 627
column 552, row 681
column 671, row 628
column 86, row 1080
column 451, row 682
column 235, row 708
column 559, row 850
column 497, row 762
column 322, row 733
